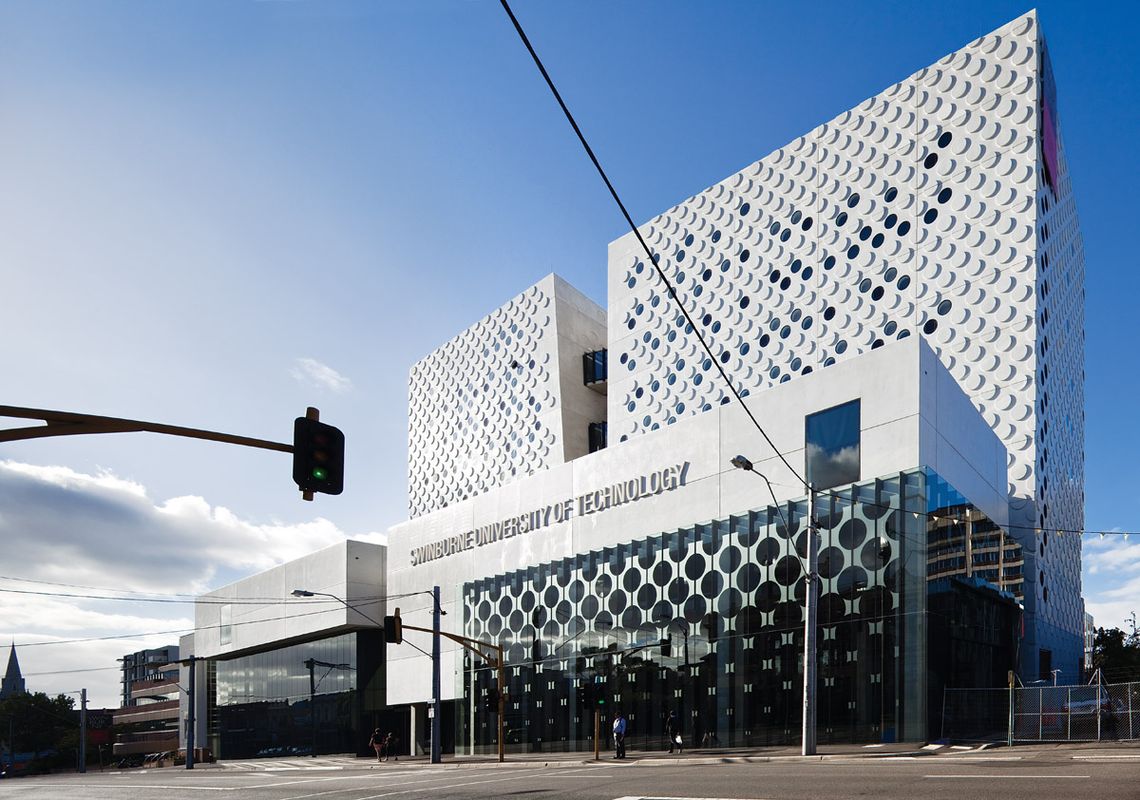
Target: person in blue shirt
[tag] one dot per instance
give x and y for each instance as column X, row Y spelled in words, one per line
column 619, row 736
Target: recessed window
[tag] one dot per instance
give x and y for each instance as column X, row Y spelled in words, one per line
column 890, row 328
column 853, row 251
column 930, row 160
column 890, row 221
column 890, row 274
column 807, row 273
column 877, row 294
column 829, row 262
column 796, row 265
column 930, row 327
column 706, row 274
column 865, row 233
column 904, row 281
column 841, row 346
column 807, row 224
column 944, row 308
column 832, row 446
column 796, row 217
column 829, row 313
column 945, row 194
column 841, row 219
column 744, row 301
column 945, row 138
column 764, row 339
column 775, row 276
column 689, row 240
column 853, row 200
column 715, row 236
column 891, row 194
column 930, row 215
column 744, row 209
column 744, row 254
column 785, row 283
column 865, row 285
column 877, row 241
column 904, row 227
column 680, row 255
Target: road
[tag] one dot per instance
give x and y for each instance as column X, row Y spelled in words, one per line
column 1047, row 773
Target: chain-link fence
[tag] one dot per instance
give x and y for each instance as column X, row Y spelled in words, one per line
column 1093, row 713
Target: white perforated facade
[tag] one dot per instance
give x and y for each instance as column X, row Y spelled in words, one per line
column 926, row 210
column 504, row 398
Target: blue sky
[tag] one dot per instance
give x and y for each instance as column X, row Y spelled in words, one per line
column 217, row 213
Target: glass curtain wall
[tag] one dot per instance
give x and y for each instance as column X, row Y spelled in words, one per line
column 264, row 705
column 707, row 621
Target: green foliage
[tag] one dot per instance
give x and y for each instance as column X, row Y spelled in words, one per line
column 40, row 724
column 1117, row 654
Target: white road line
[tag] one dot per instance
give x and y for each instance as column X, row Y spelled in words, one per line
column 1089, row 758
column 38, row 785
column 1012, row 777
column 455, row 786
column 952, row 757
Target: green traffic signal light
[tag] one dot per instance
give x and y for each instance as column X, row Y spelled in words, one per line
column 318, row 456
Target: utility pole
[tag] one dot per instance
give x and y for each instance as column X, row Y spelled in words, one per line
column 190, row 721
column 311, row 664
column 436, row 752
column 82, row 730
column 810, row 604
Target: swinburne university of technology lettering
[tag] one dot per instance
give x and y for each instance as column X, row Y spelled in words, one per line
column 617, row 494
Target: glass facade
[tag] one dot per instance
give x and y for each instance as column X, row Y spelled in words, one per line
column 832, row 451
column 728, row 598
column 321, row 696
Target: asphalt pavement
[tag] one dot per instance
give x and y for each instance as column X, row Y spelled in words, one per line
column 1060, row 772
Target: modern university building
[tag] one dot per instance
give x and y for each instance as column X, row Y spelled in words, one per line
column 898, row 298
column 898, row 295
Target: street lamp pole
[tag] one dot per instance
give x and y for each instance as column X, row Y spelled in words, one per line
column 811, row 602
column 436, row 751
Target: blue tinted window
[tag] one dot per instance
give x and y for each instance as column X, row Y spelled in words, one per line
column 833, row 446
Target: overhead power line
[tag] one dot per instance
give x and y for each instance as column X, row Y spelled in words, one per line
column 644, row 245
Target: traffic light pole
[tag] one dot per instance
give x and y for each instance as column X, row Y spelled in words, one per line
column 493, row 655
column 66, row 423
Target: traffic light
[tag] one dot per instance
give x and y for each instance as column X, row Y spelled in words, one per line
column 393, row 629
column 318, row 457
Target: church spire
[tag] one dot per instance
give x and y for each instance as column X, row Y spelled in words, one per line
column 13, row 682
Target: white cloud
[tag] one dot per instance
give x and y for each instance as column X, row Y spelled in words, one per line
column 322, row 376
column 83, row 530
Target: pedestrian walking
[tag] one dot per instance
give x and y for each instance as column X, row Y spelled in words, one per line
column 619, row 736
column 377, row 743
column 673, row 731
column 392, row 746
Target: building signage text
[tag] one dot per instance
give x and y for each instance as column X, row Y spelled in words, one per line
column 593, row 502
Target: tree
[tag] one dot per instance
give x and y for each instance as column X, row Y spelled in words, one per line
column 39, row 724
column 1117, row 654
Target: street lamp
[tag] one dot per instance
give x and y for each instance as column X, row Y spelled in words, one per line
column 810, row 604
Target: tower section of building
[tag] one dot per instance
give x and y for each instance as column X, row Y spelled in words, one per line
column 924, row 211
column 505, row 398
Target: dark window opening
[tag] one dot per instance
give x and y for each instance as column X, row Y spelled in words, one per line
column 595, row 366
column 597, row 436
